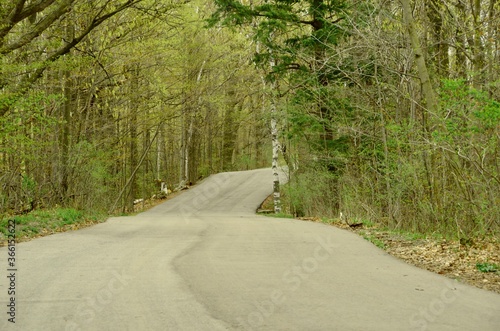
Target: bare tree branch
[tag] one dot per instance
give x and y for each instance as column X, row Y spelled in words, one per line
column 28, row 81
column 46, row 22
column 19, row 13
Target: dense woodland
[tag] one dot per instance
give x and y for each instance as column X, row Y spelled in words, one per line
column 381, row 110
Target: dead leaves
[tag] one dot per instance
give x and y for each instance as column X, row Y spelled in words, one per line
column 448, row 257
column 455, row 259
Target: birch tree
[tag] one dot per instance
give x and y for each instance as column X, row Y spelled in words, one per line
column 288, row 30
column 275, row 142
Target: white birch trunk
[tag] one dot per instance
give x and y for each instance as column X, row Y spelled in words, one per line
column 274, row 137
column 276, row 146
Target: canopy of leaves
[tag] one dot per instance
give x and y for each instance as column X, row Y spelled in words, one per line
column 285, row 27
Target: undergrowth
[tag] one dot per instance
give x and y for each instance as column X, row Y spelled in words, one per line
column 42, row 222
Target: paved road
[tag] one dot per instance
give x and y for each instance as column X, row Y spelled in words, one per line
column 205, row 261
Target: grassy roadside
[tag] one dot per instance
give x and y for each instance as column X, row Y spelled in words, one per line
column 474, row 261
column 41, row 223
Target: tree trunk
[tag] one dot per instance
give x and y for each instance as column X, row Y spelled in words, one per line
column 438, row 49
column 431, row 102
column 183, row 151
column 66, row 116
column 133, row 139
column 66, row 126
column 493, row 28
column 423, row 74
column 479, row 73
column 159, row 152
column 276, row 146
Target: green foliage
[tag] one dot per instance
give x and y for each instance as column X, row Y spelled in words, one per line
column 366, row 222
column 284, row 27
column 469, row 111
column 412, row 235
column 230, row 13
column 28, row 109
column 373, row 239
column 93, row 180
column 69, row 215
column 28, row 184
column 245, row 162
column 314, row 114
column 345, row 92
column 312, row 193
column 487, row 267
column 47, row 221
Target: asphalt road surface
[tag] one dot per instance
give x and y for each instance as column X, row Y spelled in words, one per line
column 205, row 261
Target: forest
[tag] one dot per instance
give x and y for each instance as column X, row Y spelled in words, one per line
column 387, row 111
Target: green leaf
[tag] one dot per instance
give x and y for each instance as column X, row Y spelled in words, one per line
column 487, row 267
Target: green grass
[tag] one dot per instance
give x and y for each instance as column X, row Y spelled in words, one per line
column 329, row 220
column 48, row 221
column 487, row 267
column 412, row 236
column 69, row 216
column 366, row 223
column 374, row 240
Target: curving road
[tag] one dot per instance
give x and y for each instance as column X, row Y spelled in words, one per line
column 205, row 261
